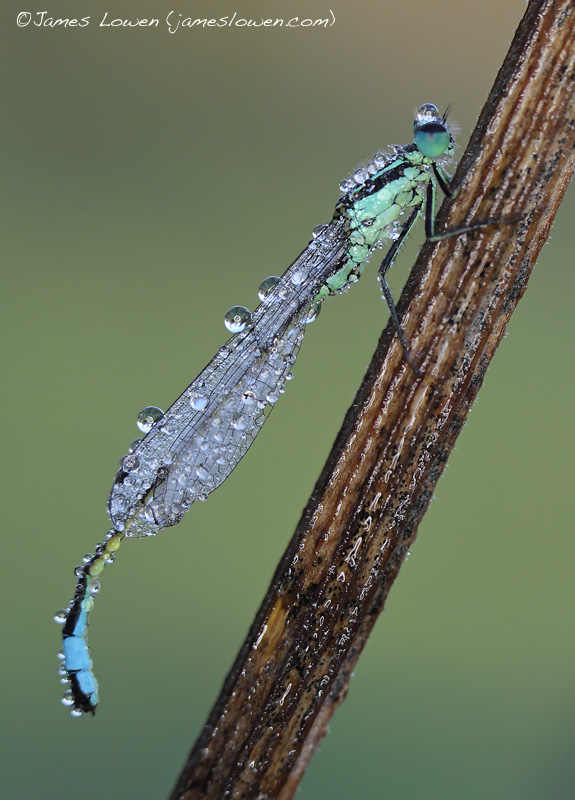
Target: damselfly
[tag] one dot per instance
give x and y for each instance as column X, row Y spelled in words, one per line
column 188, row 451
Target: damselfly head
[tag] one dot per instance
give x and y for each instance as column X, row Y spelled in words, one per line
column 431, row 132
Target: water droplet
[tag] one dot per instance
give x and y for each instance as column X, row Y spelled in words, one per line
column 68, row 699
column 427, row 113
column 76, row 712
column 272, row 397
column 318, row 230
column 167, row 457
column 237, row 318
column 266, row 286
column 198, row 401
column 94, row 587
column 360, row 175
column 61, row 616
column 297, row 277
column 313, row 312
column 79, row 571
column 202, row 474
column 129, row 463
column 347, row 185
column 133, row 446
column 249, row 397
column 148, row 417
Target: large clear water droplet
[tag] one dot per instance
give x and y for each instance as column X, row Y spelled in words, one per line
column 266, row 286
column 148, row 417
column 237, row 318
column 198, row 401
column 427, row 113
column 130, row 463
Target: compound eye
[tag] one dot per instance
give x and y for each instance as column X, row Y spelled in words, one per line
column 432, row 139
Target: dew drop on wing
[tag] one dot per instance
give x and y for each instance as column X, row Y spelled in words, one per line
column 237, row 318
column 148, row 417
column 198, row 401
column 266, row 286
column 130, row 462
column 318, row 230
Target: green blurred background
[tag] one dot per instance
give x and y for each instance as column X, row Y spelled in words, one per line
column 152, row 181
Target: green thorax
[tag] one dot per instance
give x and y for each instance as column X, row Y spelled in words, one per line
column 378, row 196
